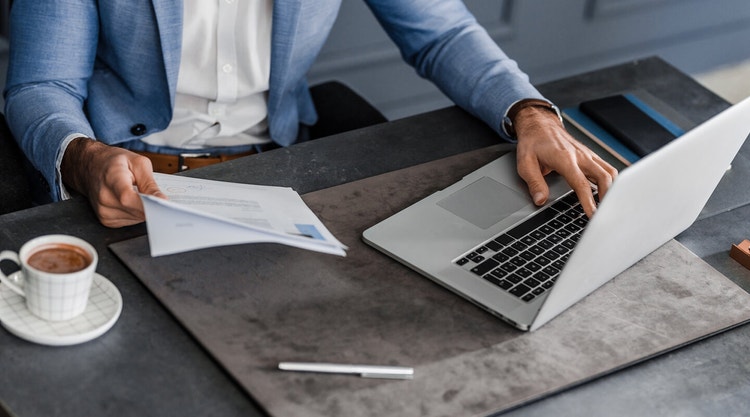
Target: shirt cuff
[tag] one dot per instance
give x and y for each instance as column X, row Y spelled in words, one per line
column 64, row 195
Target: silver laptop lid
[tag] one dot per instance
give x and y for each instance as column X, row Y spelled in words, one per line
column 648, row 204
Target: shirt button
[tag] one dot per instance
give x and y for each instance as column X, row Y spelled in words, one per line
column 217, row 111
column 138, row 129
column 227, row 68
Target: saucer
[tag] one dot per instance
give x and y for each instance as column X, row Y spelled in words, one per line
column 102, row 311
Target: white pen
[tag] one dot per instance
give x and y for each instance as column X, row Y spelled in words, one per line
column 365, row 371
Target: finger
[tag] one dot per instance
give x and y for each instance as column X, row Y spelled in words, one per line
column 118, row 203
column 602, row 179
column 114, row 218
column 119, row 206
column 612, row 174
column 530, row 171
column 144, row 179
column 582, row 187
column 586, row 197
column 600, row 173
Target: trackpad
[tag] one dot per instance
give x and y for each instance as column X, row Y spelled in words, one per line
column 484, row 202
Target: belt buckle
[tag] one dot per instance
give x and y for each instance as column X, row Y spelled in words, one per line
column 181, row 159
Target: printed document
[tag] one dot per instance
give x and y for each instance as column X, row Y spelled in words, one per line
column 203, row 213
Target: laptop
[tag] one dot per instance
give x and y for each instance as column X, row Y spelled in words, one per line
column 484, row 239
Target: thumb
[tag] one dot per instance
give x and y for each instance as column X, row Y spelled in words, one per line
column 532, row 175
column 538, row 190
column 151, row 188
column 145, row 182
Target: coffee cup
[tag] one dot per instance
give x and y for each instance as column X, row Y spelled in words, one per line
column 55, row 277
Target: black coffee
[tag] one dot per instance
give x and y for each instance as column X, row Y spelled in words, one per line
column 59, row 258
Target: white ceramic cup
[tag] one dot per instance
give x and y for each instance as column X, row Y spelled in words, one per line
column 57, row 282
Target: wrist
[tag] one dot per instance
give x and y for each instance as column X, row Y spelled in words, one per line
column 529, row 110
column 73, row 162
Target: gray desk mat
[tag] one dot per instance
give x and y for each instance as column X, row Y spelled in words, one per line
column 252, row 306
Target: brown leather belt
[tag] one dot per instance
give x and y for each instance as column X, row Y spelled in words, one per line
column 170, row 164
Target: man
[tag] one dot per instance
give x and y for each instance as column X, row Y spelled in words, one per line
column 148, row 76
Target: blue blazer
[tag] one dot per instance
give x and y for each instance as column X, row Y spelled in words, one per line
column 99, row 68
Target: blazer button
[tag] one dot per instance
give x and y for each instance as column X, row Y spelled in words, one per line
column 138, row 129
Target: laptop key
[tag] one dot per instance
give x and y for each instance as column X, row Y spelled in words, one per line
column 500, row 257
column 523, row 272
column 541, row 276
column 528, row 255
column 542, row 260
column 561, row 205
column 532, row 223
column 560, row 249
column 533, row 266
column 509, row 251
column 539, row 234
column 519, row 245
column 504, row 239
column 494, row 246
column 519, row 290
column 531, row 282
column 570, row 243
column 485, row 267
column 514, row 278
column 536, row 250
column 504, row 284
column 551, row 270
column 571, row 198
column 498, row 272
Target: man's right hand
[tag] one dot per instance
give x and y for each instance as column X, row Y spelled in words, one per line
column 111, row 178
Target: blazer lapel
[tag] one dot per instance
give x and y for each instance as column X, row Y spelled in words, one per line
column 169, row 18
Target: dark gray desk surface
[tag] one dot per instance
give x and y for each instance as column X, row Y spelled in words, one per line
column 148, row 365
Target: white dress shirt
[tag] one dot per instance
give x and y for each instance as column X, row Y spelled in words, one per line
column 223, row 79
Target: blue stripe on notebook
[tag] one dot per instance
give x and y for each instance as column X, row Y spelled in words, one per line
column 615, row 146
column 658, row 117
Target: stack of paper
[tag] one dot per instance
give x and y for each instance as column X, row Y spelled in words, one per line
column 202, row 213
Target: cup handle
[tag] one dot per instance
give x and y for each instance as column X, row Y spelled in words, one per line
column 15, row 285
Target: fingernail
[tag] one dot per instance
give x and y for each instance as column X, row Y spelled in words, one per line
column 538, row 199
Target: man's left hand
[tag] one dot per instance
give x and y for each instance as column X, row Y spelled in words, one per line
column 545, row 146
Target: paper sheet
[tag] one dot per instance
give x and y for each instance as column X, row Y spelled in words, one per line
column 203, row 213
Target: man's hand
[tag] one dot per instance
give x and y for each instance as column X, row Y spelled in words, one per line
column 109, row 176
column 544, row 146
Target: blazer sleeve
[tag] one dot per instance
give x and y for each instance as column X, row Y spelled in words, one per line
column 443, row 41
column 52, row 52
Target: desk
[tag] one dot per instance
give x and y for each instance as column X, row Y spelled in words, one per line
column 147, row 364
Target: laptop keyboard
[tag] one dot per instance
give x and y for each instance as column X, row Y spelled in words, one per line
column 525, row 261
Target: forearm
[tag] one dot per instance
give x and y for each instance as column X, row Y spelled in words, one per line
column 41, row 118
column 445, row 44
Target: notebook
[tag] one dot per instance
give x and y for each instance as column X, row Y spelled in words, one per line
column 482, row 237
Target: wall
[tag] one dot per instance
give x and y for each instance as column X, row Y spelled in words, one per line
column 549, row 38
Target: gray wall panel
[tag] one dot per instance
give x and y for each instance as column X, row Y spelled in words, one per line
column 549, row 38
